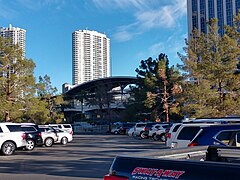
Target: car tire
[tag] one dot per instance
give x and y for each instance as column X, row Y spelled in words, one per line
column 8, row 148
column 142, row 135
column 30, row 145
column 64, row 140
column 48, row 142
column 163, row 138
column 156, row 137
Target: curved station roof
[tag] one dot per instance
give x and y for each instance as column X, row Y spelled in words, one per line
column 109, row 83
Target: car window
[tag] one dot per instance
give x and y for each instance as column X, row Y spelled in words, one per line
column 140, row 125
column 44, row 129
column 59, row 126
column 66, row 126
column 225, row 136
column 176, row 128
column 165, row 126
column 1, row 130
column 14, row 128
column 28, row 128
column 188, row 133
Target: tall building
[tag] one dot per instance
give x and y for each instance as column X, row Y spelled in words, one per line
column 90, row 56
column 201, row 11
column 16, row 35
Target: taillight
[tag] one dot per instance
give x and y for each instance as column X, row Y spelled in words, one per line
column 23, row 136
column 192, row 144
column 40, row 134
column 112, row 177
column 71, row 132
column 169, row 135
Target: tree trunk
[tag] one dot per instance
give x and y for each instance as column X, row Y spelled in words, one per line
column 165, row 103
column 220, row 91
column 7, row 116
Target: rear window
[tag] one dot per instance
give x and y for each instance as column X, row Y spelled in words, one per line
column 165, row 126
column 28, row 129
column 14, row 128
column 44, row 129
column 67, row 126
column 188, row 133
column 176, row 128
column 150, row 124
column 140, row 125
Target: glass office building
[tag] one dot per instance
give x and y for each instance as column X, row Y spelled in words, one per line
column 201, row 11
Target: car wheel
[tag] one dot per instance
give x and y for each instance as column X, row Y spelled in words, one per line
column 8, row 148
column 143, row 136
column 30, row 145
column 163, row 138
column 48, row 142
column 156, row 137
column 64, row 140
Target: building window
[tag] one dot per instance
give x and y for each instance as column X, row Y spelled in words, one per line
column 229, row 12
column 194, row 14
column 211, row 13
column 203, row 16
column 220, row 17
column 237, row 5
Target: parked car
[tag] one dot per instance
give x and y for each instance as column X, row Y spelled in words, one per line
column 130, row 132
column 171, row 133
column 224, row 135
column 187, row 133
column 66, row 127
column 145, row 131
column 11, row 138
column 139, row 129
column 33, row 137
column 48, row 135
column 123, row 129
column 115, row 129
column 160, row 132
column 63, row 137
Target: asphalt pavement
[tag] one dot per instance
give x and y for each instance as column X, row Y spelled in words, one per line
column 88, row 157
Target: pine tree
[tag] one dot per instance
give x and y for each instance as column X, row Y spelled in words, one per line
column 209, row 89
column 17, row 81
column 159, row 82
column 53, row 102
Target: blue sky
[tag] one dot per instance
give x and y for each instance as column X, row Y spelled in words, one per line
column 137, row 29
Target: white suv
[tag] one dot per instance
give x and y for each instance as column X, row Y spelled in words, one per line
column 11, row 137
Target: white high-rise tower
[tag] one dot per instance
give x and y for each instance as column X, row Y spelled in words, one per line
column 16, row 35
column 90, row 56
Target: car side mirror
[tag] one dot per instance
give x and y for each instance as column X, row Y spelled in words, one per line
column 238, row 139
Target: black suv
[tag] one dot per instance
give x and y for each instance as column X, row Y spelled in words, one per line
column 33, row 137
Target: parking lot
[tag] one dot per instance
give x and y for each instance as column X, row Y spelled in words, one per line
column 88, row 157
